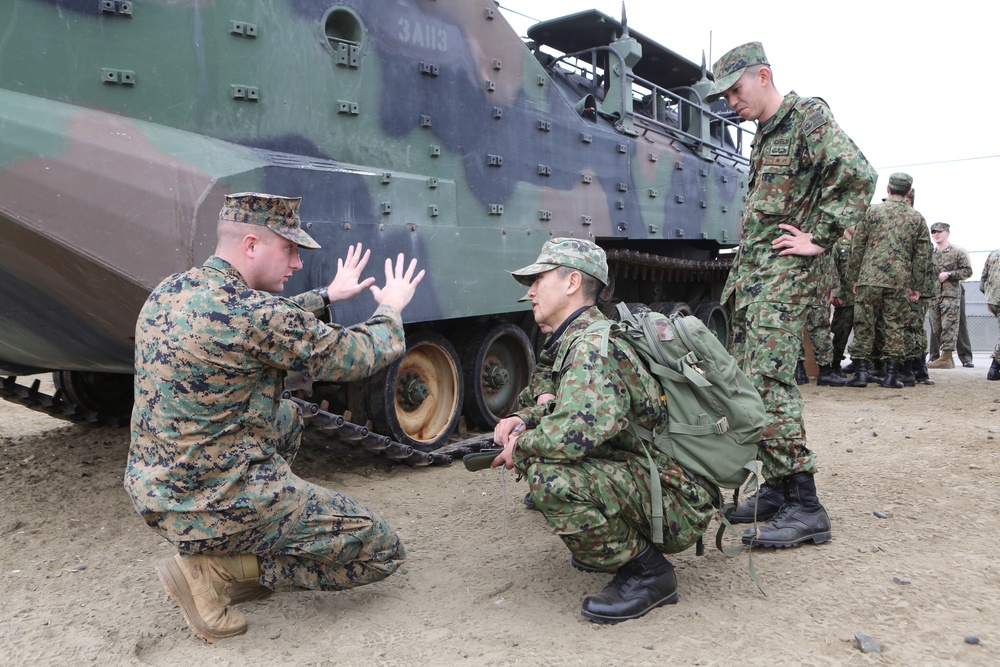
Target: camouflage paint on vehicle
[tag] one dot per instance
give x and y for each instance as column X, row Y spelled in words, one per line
column 426, row 127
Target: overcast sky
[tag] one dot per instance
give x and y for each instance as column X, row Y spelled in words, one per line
column 914, row 84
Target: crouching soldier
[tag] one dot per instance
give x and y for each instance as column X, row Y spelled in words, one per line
column 587, row 473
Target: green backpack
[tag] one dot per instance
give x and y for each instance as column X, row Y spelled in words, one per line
column 714, row 414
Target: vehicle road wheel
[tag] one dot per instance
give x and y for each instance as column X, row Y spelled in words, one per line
column 417, row 400
column 497, row 363
column 109, row 394
column 715, row 318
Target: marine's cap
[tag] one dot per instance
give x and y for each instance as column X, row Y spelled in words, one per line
column 729, row 68
column 279, row 214
column 901, row 182
column 940, row 227
column 574, row 253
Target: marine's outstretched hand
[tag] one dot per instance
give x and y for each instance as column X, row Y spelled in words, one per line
column 399, row 285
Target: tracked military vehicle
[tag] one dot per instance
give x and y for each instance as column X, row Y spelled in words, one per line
column 427, row 127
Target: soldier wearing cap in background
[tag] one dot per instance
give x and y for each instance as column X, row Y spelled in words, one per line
column 808, row 182
column 212, row 440
column 888, row 267
column 990, row 284
column 587, row 473
column 951, row 266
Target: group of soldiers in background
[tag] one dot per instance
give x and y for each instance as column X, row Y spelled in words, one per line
column 886, row 275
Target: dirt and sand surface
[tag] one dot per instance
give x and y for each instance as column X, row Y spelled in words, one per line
column 487, row 587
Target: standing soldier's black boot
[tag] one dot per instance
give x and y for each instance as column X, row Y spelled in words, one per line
column 828, row 377
column 994, row 372
column 920, row 373
column 906, row 374
column 801, row 377
column 891, row 379
column 762, row 505
column 800, row 519
column 644, row 583
column 860, row 378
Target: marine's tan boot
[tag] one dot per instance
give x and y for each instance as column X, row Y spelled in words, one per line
column 191, row 582
column 244, row 585
column 944, row 361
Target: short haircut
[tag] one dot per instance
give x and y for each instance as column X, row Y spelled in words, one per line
column 897, row 191
column 590, row 287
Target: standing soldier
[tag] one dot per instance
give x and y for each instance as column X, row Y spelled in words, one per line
column 843, row 299
column 990, row 284
column 951, row 266
column 808, row 181
column 821, row 335
column 914, row 335
column 889, row 256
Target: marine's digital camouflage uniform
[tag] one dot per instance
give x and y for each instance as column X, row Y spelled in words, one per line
column 212, row 440
column 990, row 285
column 843, row 315
column 804, row 171
column 889, row 256
column 946, row 304
column 587, row 474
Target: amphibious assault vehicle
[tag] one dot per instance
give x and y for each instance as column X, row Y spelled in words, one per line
column 427, row 127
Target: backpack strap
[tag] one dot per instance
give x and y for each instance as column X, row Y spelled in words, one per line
column 655, row 488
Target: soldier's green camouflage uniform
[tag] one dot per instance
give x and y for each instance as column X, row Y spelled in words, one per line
column 843, row 315
column 587, row 474
column 990, row 285
column 804, row 171
column 212, row 440
column 818, row 320
column 889, row 256
column 946, row 304
column 914, row 334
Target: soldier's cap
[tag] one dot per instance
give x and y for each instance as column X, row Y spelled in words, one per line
column 279, row 214
column 901, row 182
column 940, row 227
column 728, row 69
column 575, row 253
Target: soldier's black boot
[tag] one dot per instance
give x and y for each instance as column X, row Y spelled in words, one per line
column 906, row 374
column 850, row 368
column 994, row 372
column 646, row 582
column 920, row 373
column 801, row 377
column 801, row 518
column 768, row 500
column 829, row 377
column 876, row 370
column 891, row 379
column 860, row 378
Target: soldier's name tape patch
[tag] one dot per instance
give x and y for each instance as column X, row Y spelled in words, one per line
column 776, row 161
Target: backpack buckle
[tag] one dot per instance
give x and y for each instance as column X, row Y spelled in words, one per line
column 721, row 426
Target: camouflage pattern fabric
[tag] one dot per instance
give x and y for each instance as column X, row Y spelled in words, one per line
column 820, row 335
column 885, row 310
column 766, row 340
column 990, row 285
column 914, row 335
column 818, row 317
column 804, row 171
column 842, row 321
column 946, row 304
column 589, row 475
column 890, row 253
column 212, row 441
